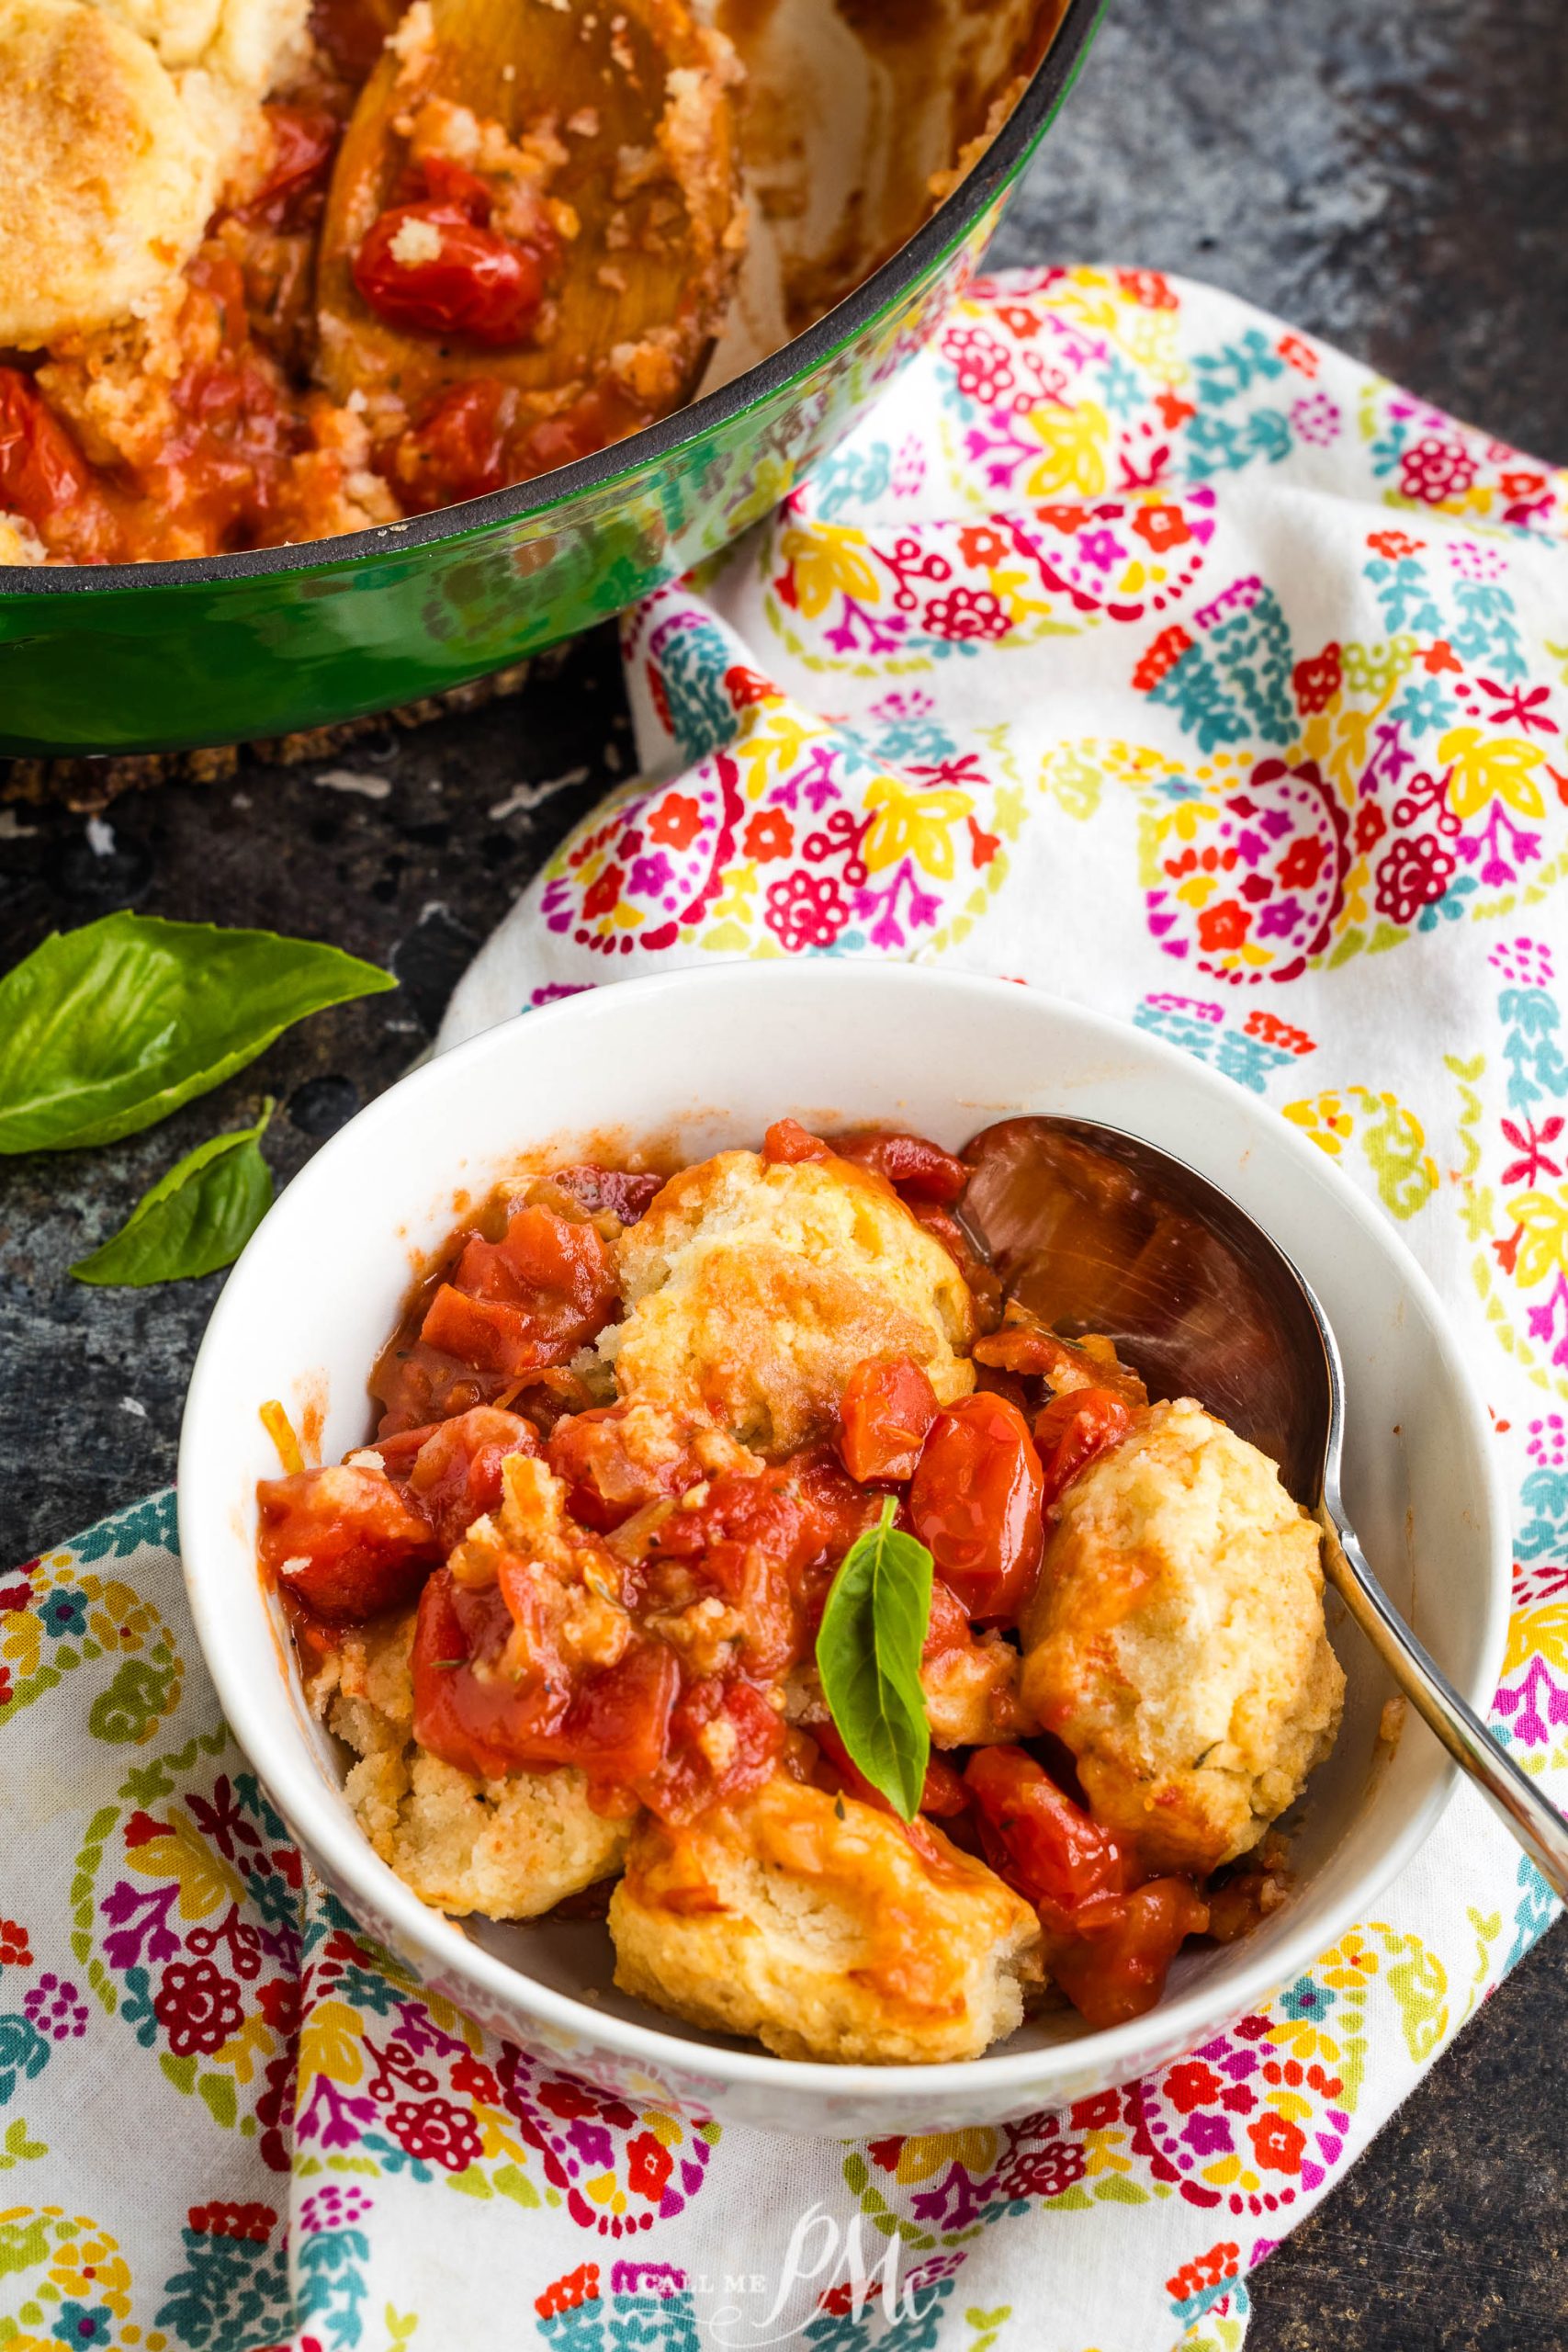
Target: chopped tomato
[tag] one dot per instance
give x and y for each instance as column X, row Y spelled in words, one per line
column 909, row 1164
column 788, row 1142
column 625, row 1195
column 344, row 1541
column 417, row 1387
column 457, row 450
column 475, row 1713
column 947, row 1627
column 45, row 478
column 609, row 1478
column 884, row 1414
column 837, row 1509
column 974, row 1503
column 526, row 1301
column 724, row 1739
column 1118, row 1969
column 1041, row 1842
column 304, row 141
column 1074, row 1430
column 430, row 268
column 603, row 414
column 455, row 1475
column 352, row 32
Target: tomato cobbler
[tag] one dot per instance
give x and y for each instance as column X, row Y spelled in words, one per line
column 566, row 1609
column 212, row 338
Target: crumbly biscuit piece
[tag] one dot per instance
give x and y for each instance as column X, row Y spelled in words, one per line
column 19, row 543
column 1176, row 1643
column 753, row 1290
column 108, row 181
column 816, row 1924
column 510, row 1849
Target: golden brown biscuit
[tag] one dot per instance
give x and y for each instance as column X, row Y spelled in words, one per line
column 753, row 1290
column 510, row 1849
column 1175, row 1642
column 812, row 1922
column 108, row 181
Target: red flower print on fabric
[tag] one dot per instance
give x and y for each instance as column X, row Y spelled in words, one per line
column 602, row 895
column 437, row 2130
column 1433, row 471
column 197, row 2006
column 1277, row 2143
column 1319, row 680
column 1413, row 875
column 806, row 910
column 1226, row 925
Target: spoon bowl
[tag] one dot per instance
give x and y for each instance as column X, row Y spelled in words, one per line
column 1091, row 1229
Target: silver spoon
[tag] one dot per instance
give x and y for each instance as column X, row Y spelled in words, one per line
column 1094, row 1230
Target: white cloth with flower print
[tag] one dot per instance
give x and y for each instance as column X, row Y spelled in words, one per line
column 1133, row 647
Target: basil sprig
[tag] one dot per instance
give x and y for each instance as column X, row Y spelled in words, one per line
column 868, row 1654
column 195, row 1219
column 107, row 1029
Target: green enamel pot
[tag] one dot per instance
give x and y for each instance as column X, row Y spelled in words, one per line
column 146, row 657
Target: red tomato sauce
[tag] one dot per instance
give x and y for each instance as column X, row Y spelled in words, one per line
column 487, row 1367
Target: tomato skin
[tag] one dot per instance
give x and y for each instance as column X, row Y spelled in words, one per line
column 884, row 1414
column 909, row 1164
column 470, row 1722
column 1074, row 1430
column 753, row 1733
column 476, row 285
column 974, row 1503
column 1041, row 1842
column 1118, row 1970
column 364, row 1544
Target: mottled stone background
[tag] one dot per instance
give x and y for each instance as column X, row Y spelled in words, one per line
column 1395, row 177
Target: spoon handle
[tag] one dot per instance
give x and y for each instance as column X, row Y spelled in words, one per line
column 1534, row 1820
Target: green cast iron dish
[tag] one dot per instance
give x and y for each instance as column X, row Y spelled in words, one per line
column 143, row 657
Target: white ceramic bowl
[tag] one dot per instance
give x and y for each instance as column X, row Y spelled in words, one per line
column 715, row 1056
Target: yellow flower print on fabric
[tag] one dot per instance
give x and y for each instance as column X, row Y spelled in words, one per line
column 63, row 2279
column 1390, row 1137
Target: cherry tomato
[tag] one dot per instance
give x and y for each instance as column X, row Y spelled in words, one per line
column 1072, row 1431
column 943, row 1793
column 788, row 1142
column 603, row 414
column 623, row 1194
column 1118, row 1969
column 705, row 1764
column 304, row 141
column 909, row 1164
column 457, row 450
column 344, row 1541
column 1041, row 1842
column 473, row 284
column 884, row 1414
column 974, row 1503
column 41, row 470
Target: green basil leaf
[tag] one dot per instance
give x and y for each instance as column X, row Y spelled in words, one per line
column 868, row 1654
column 195, row 1219
column 105, row 1029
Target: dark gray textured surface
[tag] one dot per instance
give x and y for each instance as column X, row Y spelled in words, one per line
column 1395, row 178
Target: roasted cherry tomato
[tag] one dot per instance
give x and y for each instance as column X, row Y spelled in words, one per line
column 430, row 269
column 1072, row 1432
column 1042, row 1842
column 909, row 1164
column 1118, row 1969
column 788, row 1142
column 942, row 1793
column 884, row 1414
column 45, row 478
column 724, row 1739
column 974, row 1503
column 344, row 1541
column 457, row 450
column 623, row 1194
column 304, row 141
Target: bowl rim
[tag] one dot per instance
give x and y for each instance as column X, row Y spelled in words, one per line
column 303, row 1795
column 937, row 237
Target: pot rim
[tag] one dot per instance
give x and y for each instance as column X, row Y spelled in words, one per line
column 932, row 244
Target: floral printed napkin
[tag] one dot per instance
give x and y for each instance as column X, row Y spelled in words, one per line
column 1134, row 646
